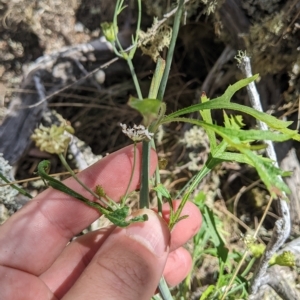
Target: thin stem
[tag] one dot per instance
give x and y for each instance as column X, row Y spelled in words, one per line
column 235, row 274
column 121, row 52
column 132, row 172
column 155, row 83
column 248, row 268
column 134, row 77
column 263, row 217
column 66, row 165
column 115, row 24
column 138, row 25
column 157, row 77
column 175, row 31
column 157, row 181
column 131, row 53
column 144, row 191
column 34, row 178
column 213, row 160
column 164, row 289
column 20, row 190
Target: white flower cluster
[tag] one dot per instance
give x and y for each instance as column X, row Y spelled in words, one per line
column 137, row 132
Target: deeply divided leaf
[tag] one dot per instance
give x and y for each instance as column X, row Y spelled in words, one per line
column 148, row 108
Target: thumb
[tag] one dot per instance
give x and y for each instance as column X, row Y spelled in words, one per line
column 128, row 265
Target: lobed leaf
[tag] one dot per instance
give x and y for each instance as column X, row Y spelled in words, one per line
column 223, row 102
column 148, row 108
column 268, row 173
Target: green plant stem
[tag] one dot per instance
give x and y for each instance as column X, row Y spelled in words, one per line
column 44, row 167
column 115, row 22
column 144, row 191
column 248, row 268
column 212, row 161
column 20, row 190
column 121, row 52
column 164, row 289
column 157, row 77
column 66, row 165
column 134, row 77
column 228, row 287
column 138, row 27
column 169, row 59
column 132, row 172
column 157, row 182
column 155, row 83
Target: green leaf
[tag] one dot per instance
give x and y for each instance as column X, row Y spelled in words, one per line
column 199, row 199
column 148, row 108
column 206, row 116
column 238, row 157
column 182, row 218
column 238, row 135
column 44, row 167
column 211, row 226
column 16, row 187
column 271, row 121
column 118, row 217
column 268, row 173
column 223, row 102
column 219, row 103
column 265, row 167
column 233, row 122
column 207, row 292
column 160, row 188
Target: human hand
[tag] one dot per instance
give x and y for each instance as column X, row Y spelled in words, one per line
column 38, row 262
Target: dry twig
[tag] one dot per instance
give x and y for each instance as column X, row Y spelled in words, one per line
column 282, row 226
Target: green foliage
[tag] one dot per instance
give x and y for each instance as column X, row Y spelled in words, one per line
column 164, row 192
column 233, row 122
column 223, row 102
column 118, row 216
column 228, row 143
column 236, row 139
column 148, row 108
column 209, row 242
column 205, row 295
column 206, row 116
column 14, row 186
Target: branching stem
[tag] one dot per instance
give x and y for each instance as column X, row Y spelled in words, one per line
column 66, row 165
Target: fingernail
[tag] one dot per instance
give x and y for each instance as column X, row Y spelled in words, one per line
column 152, row 234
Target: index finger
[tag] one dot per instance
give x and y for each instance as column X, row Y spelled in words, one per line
column 35, row 236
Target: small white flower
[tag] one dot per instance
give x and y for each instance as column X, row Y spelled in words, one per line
column 137, row 132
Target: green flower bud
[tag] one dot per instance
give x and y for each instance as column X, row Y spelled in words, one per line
column 286, row 258
column 100, row 191
column 256, row 249
column 110, row 31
